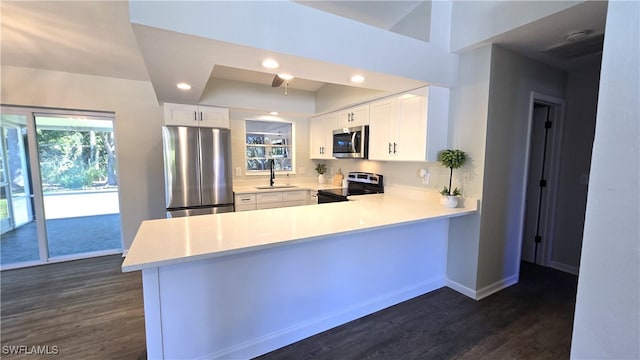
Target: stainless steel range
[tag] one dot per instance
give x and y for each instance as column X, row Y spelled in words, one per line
column 359, row 183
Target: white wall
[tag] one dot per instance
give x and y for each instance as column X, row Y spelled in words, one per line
column 290, row 28
column 513, row 78
column 137, row 130
column 607, row 317
column 467, row 131
column 332, row 97
column 577, row 142
column 475, row 22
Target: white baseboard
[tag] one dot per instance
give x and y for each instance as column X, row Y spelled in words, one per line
column 496, row 286
column 461, row 289
column 563, row 267
column 485, row 291
column 278, row 339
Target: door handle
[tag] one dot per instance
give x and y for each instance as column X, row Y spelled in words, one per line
column 201, row 119
column 195, row 116
column 394, row 147
column 353, row 142
column 389, row 148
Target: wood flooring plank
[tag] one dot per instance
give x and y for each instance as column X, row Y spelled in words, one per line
column 88, row 308
column 530, row 320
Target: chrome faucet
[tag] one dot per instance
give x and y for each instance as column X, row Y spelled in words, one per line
column 272, row 176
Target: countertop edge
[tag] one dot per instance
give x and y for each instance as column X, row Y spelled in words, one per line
column 258, row 247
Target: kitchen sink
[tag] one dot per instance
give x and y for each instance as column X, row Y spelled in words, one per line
column 275, row 187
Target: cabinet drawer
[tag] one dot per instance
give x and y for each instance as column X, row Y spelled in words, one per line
column 294, row 203
column 245, row 207
column 268, row 197
column 270, row 205
column 294, row 195
column 245, row 199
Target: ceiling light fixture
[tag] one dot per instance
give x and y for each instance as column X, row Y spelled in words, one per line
column 357, row 78
column 285, row 77
column 183, row 86
column 270, row 64
column 274, row 113
column 578, row 35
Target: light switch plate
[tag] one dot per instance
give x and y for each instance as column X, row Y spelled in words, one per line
column 301, row 170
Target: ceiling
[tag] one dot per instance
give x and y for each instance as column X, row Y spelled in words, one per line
column 261, row 78
column 96, row 38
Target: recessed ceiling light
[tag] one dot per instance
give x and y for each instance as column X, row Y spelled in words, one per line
column 357, row 78
column 270, row 64
column 183, row 86
column 274, row 113
column 285, row 76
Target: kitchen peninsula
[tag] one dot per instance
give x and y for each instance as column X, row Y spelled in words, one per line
column 237, row 285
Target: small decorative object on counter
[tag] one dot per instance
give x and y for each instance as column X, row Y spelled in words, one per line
column 321, row 169
column 337, row 178
column 452, row 159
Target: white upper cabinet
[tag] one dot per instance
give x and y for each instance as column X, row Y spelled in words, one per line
column 353, row 116
column 196, row 115
column 321, row 136
column 409, row 127
column 382, row 123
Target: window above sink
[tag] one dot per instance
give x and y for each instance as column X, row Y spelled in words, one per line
column 266, row 140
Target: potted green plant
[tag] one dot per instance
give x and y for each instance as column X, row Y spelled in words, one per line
column 321, row 169
column 452, row 159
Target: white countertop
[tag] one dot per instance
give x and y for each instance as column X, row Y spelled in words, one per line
column 170, row 241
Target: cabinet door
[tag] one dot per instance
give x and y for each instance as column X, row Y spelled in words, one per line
column 321, row 136
column 354, row 116
column 180, row 114
column 245, row 207
column 269, row 197
column 213, row 117
column 411, row 129
column 298, row 195
column 330, row 123
column 382, row 117
column 316, row 137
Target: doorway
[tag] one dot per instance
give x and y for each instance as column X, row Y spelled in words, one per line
column 59, row 190
column 542, row 178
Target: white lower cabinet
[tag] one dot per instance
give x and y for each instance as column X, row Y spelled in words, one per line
column 245, row 202
column 271, row 200
column 295, row 198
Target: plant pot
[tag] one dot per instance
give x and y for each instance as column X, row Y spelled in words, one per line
column 449, row 201
column 322, row 179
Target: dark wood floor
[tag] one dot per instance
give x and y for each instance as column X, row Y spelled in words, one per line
column 530, row 320
column 88, row 309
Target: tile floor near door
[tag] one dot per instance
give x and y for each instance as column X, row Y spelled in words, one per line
column 89, row 309
column 66, row 236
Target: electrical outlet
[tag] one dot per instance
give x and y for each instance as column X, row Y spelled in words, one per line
column 466, row 177
column 424, row 175
column 301, row 170
column 238, row 171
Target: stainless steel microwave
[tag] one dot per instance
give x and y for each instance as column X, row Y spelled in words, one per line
column 351, row 143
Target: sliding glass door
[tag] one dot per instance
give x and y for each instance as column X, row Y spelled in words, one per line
column 61, row 186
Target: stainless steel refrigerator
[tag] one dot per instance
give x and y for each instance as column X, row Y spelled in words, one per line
column 197, row 170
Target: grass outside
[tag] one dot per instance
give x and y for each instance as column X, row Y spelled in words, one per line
column 4, row 211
